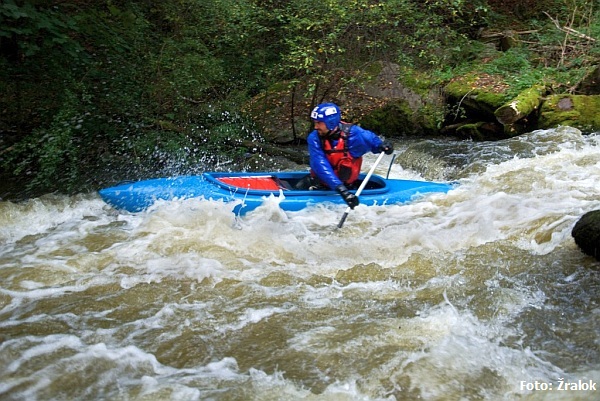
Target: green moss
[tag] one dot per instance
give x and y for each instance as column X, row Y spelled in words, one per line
column 579, row 111
column 372, row 70
column 431, row 117
column 472, row 131
column 391, row 120
column 418, row 81
column 589, row 107
column 485, row 88
column 523, row 104
column 532, row 95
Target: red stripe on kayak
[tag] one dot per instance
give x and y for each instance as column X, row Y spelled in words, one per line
column 264, row 183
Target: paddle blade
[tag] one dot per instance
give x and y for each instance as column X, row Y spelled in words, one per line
column 341, row 223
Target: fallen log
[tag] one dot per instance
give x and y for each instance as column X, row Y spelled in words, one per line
column 526, row 102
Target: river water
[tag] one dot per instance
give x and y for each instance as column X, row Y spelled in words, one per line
column 478, row 294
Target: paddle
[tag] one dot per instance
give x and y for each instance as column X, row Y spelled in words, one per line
column 360, row 189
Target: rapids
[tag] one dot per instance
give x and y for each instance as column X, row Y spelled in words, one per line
column 478, row 294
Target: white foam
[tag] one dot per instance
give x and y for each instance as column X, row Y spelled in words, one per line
column 423, row 299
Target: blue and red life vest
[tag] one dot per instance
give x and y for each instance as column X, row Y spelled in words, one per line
column 345, row 166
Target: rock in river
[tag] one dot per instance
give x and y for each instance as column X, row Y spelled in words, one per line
column 586, row 233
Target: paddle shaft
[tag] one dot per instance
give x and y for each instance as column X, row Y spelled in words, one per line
column 360, row 189
column 390, row 167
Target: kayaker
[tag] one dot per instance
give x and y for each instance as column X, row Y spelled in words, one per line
column 335, row 149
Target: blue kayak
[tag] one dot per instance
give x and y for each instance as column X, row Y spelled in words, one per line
column 249, row 190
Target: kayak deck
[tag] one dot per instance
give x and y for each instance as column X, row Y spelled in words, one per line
column 249, row 190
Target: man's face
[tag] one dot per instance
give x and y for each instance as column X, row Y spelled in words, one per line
column 321, row 128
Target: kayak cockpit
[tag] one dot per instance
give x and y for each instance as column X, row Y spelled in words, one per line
column 278, row 181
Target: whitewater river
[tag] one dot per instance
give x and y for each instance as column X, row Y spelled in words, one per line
column 478, row 294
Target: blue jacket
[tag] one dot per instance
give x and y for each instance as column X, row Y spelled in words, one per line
column 360, row 141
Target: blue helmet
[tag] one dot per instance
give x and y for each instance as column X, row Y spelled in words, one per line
column 329, row 113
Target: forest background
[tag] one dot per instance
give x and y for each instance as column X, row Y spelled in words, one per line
column 94, row 92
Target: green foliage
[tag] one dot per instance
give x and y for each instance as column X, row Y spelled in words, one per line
column 98, row 91
column 50, row 155
column 31, row 31
column 556, row 51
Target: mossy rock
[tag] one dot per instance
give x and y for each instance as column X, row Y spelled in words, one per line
column 374, row 97
column 482, row 131
column 578, row 111
column 481, row 92
column 392, row 120
column 586, row 233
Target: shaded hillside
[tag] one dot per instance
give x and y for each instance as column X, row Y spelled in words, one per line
column 93, row 92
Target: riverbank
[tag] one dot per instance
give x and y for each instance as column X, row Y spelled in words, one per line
column 90, row 96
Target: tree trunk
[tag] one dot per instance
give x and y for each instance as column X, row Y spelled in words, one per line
column 521, row 106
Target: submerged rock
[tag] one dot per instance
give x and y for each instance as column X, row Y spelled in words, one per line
column 586, row 233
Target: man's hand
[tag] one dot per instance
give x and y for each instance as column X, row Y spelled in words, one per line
column 386, row 147
column 349, row 198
